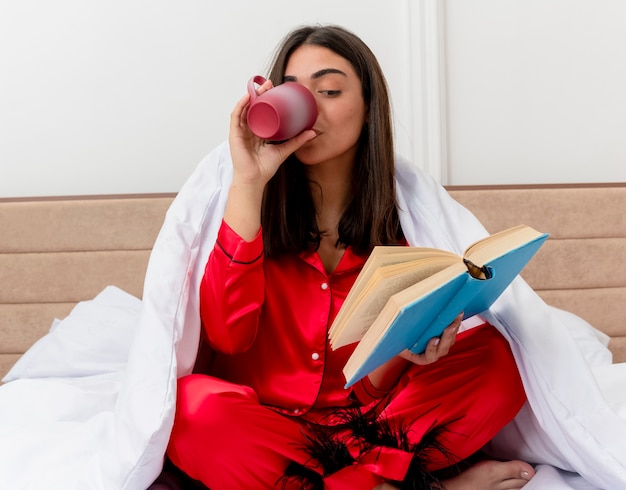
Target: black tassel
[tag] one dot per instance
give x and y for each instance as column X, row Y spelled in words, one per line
column 323, row 448
column 329, row 450
column 328, row 446
column 417, row 476
column 372, row 431
column 304, row 477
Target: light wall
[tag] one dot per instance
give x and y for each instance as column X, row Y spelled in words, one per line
column 127, row 96
column 536, row 90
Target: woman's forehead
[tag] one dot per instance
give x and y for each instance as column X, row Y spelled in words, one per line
column 313, row 62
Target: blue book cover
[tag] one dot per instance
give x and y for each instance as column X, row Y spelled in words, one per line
column 413, row 316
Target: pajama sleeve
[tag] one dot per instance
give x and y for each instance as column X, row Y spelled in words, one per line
column 232, row 291
column 364, row 392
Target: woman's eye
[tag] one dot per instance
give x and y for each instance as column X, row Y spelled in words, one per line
column 330, row 93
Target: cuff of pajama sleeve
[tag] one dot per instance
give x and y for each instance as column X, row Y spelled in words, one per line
column 365, row 392
column 236, row 248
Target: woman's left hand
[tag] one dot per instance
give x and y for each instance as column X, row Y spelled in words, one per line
column 437, row 347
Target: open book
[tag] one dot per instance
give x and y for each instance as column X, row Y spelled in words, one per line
column 405, row 296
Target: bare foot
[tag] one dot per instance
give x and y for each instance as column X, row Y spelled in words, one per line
column 492, row 475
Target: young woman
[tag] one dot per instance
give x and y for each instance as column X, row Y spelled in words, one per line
column 300, row 221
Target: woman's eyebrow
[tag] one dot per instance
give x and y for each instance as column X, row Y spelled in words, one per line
column 316, row 75
column 326, row 71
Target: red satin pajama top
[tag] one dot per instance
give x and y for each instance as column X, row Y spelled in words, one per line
column 267, row 321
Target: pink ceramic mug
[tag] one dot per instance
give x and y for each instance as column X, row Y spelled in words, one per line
column 282, row 112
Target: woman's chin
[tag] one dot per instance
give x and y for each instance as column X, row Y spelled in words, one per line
column 307, row 156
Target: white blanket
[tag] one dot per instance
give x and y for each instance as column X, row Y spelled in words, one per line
column 91, row 405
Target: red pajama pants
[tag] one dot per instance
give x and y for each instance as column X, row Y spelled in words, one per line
column 225, row 438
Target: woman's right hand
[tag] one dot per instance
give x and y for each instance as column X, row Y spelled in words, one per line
column 254, row 164
column 255, row 161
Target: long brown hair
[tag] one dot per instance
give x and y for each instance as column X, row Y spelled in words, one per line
column 371, row 218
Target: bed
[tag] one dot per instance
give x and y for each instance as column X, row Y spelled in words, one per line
column 84, row 281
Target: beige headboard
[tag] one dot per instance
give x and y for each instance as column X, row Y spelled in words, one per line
column 582, row 267
column 58, row 251
column 55, row 252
